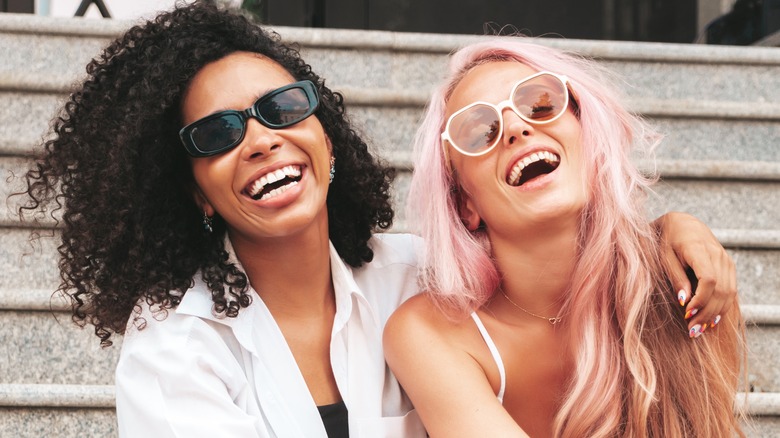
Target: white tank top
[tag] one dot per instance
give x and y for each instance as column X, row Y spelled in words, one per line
column 493, row 351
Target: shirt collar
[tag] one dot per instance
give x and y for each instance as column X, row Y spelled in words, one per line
column 345, row 286
column 197, row 301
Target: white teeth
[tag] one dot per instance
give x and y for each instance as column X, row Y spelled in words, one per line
column 280, row 190
column 272, row 177
column 517, row 170
column 292, row 171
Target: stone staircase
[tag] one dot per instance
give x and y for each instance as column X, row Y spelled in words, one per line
column 720, row 161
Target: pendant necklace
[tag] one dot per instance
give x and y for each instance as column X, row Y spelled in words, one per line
column 551, row 319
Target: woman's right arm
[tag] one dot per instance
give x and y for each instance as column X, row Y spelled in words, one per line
column 178, row 384
column 447, row 386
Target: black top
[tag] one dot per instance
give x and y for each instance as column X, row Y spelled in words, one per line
column 334, row 417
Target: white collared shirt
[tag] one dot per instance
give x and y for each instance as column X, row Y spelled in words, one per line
column 192, row 374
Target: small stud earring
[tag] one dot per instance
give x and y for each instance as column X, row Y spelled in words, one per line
column 207, row 223
column 332, row 168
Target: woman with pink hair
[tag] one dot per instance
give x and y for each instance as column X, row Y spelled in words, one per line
column 549, row 310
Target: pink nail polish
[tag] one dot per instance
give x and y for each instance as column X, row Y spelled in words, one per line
column 695, row 331
column 690, row 313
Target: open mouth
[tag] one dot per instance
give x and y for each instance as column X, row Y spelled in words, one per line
column 533, row 166
column 274, row 183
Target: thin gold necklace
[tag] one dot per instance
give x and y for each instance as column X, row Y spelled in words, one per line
column 551, row 319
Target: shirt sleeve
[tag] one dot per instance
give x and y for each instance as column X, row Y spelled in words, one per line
column 178, row 378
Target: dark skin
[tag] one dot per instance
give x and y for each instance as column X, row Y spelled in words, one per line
column 278, row 236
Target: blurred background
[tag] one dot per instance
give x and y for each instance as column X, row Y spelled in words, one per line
column 740, row 22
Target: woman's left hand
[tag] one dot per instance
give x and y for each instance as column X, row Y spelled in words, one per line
column 688, row 244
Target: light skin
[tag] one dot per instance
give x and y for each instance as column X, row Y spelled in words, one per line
column 532, row 229
column 275, row 238
column 542, row 213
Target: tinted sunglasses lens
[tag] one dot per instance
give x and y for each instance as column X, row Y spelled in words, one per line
column 541, row 99
column 217, row 134
column 475, row 129
column 285, row 108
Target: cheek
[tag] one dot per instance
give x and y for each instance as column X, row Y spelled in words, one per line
column 478, row 184
column 200, row 173
column 211, row 174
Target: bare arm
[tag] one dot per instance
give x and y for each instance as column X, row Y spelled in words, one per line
column 446, row 385
column 686, row 242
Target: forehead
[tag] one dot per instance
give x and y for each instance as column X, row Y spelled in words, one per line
column 232, row 82
column 490, row 82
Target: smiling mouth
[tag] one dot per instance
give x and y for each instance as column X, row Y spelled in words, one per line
column 274, row 183
column 532, row 166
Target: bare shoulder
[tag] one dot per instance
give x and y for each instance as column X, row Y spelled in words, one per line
column 437, row 359
column 418, row 325
column 421, row 315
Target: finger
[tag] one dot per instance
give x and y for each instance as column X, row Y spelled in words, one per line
column 703, row 324
column 725, row 291
column 703, row 298
column 707, row 319
column 710, row 301
column 676, row 270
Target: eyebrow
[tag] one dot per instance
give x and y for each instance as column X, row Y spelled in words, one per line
column 255, row 98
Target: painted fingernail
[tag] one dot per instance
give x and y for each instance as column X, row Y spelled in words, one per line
column 691, row 312
column 681, row 296
column 695, row 331
column 704, row 327
column 715, row 321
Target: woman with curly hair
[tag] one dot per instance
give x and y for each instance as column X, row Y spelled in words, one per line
column 203, row 169
column 548, row 311
column 218, row 212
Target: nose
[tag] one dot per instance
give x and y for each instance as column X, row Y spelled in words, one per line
column 515, row 127
column 259, row 141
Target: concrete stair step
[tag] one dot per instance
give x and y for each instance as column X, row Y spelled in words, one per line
column 33, row 265
column 31, row 422
column 68, row 354
column 413, row 61
column 388, row 118
column 62, row 411
column 57, row 396
column 48, row 348
column 693, row 130
column 719, row 202
column 387, row 76
column 700, row 187
column 83, row 410
column 718, row 139
column 28, row 265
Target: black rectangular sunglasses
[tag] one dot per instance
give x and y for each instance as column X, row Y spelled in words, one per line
column 277, row 109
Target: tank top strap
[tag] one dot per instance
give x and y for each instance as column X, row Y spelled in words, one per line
column 494, row 352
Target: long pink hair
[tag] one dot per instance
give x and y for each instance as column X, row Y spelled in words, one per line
column 637, row 373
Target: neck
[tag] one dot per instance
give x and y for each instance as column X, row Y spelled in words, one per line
column 536, row 268
column 291, row 274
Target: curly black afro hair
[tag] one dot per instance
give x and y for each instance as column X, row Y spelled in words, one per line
column 115, row 164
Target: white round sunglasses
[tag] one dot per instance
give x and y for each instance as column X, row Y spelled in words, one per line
column 476, row 129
